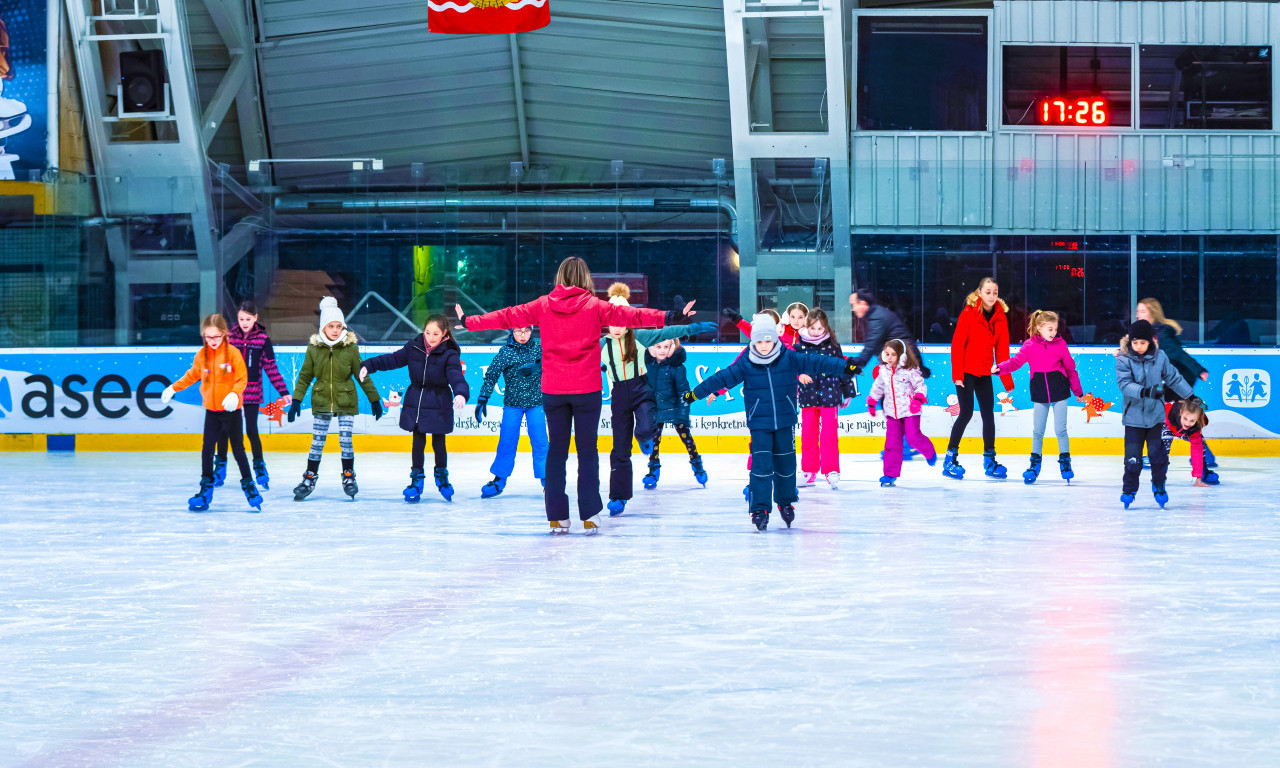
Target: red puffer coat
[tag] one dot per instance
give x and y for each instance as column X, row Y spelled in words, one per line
column 570, row 320
column 980, row 343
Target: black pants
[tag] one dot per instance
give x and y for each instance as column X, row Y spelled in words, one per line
column 979, row 387
column 420, row 450
column 686, row 437
column 632, row 405
column 250, row 411
column 581, row 414
column 222, row 426
column 773, row 468
column 1134, row 437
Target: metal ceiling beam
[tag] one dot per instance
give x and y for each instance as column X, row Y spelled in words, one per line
column 517, row 78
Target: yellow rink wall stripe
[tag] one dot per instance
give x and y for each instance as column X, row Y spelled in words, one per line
column 671, row 445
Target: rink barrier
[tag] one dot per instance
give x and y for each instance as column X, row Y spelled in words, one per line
column 672, row 448
column 96, row 399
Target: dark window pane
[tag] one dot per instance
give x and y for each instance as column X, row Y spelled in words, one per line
column 1169, row 272
column 1240, row 290
column 922, row 74
column 1073, row 85
column 1205, row 86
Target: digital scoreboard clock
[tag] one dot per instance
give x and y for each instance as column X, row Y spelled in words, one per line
column 1057, row 110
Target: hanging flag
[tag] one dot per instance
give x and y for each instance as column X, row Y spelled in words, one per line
column 486, row 17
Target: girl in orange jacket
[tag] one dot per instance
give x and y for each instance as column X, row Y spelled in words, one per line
column 220, row 369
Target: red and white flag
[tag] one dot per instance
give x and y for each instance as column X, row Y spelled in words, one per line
column 486, row 17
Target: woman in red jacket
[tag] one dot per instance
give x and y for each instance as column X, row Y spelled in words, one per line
column 570, row 319
column 981, row 340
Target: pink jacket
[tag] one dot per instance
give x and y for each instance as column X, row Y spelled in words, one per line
column 570, row 320
column 1053, row 370
column 897, row 389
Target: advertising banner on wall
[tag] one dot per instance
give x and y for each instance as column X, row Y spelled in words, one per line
column 117, row 390
column 24, row 77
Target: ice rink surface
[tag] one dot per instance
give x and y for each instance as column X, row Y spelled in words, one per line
column 938, row 623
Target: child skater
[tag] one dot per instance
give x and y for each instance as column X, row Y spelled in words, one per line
column 437, row 388
column 519, row 362
column 1167, row 332
column 900, row 383
column 795, row 318
column 251, row 339
column 821, row 398
column 570, row 318
column 1143, row 373
column 630, row 399
column 1185, row 419
column 1053, row 381
column 768, row 374
column 669, row 381
column 981, row 339
column 219, row 367
column 332, row 361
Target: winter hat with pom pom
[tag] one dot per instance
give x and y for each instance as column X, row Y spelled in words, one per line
column 329, row 313
column 620, row 293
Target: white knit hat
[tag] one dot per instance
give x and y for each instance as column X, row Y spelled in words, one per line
column 763, row 328
column 330, row 313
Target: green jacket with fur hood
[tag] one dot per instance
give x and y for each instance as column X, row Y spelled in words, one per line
column 335, row 371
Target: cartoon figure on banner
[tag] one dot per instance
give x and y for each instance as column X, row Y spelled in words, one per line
column 1006, row 403
column 392, row 400
column 1094, row 406
column 953, row 406
column 13, row 113
column 486, row 17
column 274, row 411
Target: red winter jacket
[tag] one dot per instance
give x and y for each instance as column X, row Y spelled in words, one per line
column 1173, row 425
column 570, row 320
column 980, row 343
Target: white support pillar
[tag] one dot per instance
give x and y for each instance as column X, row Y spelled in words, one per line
column 748, row 145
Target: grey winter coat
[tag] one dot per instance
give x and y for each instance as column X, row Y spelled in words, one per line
column 1151, row 371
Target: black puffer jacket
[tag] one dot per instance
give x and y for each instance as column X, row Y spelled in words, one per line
column 433, row 381
column 668, row 381
column 825, row 391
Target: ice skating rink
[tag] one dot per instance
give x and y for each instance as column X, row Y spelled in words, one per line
column 939, row 623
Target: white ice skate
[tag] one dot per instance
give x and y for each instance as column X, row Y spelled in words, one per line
column 559, row 527
column 808, row 480
column 833, row 479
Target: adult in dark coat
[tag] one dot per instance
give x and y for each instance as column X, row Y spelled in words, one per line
column 882, row 325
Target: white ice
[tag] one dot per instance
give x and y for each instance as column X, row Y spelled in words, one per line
column 938, row 623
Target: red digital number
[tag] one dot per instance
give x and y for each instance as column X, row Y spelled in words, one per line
column 1074, row 112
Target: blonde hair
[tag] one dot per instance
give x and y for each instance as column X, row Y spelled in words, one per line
column 1039, row 318
column 976, row 295
column 1158, row 318
column 214, row 321
column 574, row 273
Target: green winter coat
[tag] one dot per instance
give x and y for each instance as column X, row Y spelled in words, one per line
column 335, row 371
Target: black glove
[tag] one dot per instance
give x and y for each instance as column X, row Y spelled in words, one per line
column 295, row 410
column 481, row 408
column 851, row 368
column 676, row 317
column 1154, row 393
column 688, row 397
column 732, row 315
column 376, row 407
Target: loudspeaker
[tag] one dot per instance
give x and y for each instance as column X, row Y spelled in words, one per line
column 142, row 79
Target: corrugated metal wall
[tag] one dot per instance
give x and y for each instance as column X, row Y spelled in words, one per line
column 643, row 82
column 1127, row 180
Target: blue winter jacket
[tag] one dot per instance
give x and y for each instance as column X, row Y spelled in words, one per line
column 770, row 390
column 668, row 381
column 521, row 366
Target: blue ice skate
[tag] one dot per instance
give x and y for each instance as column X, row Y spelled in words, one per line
column 1210, row 477
column 200, row 502
column 646, row 447
column 260, row 474
column 951, row 466
column 493, row 487
column 992, row 467
column 650, row 481
column 1126, row 499
column 1158, row 491
column 1210, row 461
column 1064, row 464
column 886, row 481
column 1033, row 471
column 219, row 471
column 413, row 493
column 746, row 493
column 442, row 483
column 699, row 474
column 617, row 507
column 251, row 494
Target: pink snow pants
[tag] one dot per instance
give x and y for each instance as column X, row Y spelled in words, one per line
column 819, row 440
column 894, row 430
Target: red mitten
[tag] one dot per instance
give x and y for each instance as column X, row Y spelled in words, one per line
column 871, row 406
column 917, row 402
